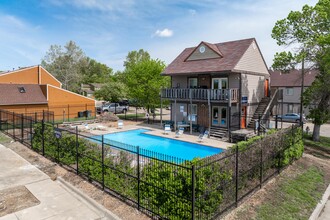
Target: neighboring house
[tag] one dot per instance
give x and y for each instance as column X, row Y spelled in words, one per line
column 34, row 89
column 89, row 89
column 224, row 82
column 290, row 83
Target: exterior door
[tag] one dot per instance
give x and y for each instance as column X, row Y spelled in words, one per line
column 243, row 119
column 266, row 88
column 219, row 116
column 219, row 83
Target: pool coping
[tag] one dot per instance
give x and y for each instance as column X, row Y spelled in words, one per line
column 148, row 130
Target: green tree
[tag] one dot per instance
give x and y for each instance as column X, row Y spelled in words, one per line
column 143, row 79
column 135, row 57
column 308, row 33
column 66, row 64
column 96, row 72
column 113, row 91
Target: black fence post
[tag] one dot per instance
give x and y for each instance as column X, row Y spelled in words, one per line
column 58, row 151
column 261, row 166
column 0, row 120
column 138, row 174
column 68, row 112
column 135, row 113
column 43, row 136
column 14, row 126
column 236, row 180
column 103, row 162
column 86, row 117
column 36, row 116
column 77, row 153
column 43, row 115
column 31, row 132
column 259, row 122
column 276, row 122
column 22, row 127
column 193, row 199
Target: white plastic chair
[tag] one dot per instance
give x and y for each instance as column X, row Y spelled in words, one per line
column 120, row 124
column 203, row 136
column 167, row 129
column 179, row 132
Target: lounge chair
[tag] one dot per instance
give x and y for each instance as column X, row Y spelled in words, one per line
column 167, row 129
column 179, row 132
column 203, row 136
column 120, row 124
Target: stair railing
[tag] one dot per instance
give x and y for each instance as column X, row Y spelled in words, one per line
column 270, row 105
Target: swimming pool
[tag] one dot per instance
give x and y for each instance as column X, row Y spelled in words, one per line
column 167, row 146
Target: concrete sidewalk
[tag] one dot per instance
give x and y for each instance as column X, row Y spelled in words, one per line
column 56, row 200
column 325, row 214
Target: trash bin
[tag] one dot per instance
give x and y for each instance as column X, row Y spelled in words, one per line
column 87, row 114
column 80, row 114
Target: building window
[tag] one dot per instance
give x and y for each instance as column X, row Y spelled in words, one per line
column 193, row 109
column 192, row 83
column 289, row 91
column 290, row 108
column 219, row 83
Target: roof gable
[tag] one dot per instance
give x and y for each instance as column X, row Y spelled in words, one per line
column 231, row 51
column 11, row 94
column 205, row 51
column 291, row 79
column 252, row 61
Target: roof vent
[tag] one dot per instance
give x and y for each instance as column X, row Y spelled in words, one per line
column 21, row 89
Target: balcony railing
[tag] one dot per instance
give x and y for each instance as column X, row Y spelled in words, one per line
column 201, row 94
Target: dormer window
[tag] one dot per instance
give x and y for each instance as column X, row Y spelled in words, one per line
column 21, row 89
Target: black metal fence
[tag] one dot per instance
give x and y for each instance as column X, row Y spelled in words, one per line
column 162, row 186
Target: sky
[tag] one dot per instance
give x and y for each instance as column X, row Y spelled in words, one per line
column 106, row 30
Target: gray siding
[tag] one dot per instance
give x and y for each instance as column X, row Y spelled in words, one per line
column 208, row 54
column 253, row 87
column 252, row 61
column 179, row 81
column 234, row 80
column 293, row 100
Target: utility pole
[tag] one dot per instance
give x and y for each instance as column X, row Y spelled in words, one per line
column 302, row 91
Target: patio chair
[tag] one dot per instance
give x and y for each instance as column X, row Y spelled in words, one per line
column 120, row 124
column 167, row 129
column 203, row 136
column 179, row 132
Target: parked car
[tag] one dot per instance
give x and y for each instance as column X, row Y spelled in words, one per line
column 291, row 117
column 115, row 108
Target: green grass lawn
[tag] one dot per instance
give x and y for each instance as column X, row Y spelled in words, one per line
column 74, row 119
column 294, row 198
column 4, row 139
column 131, row 116
column 324, row 141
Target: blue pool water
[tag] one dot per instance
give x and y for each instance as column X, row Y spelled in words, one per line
column 167, row 146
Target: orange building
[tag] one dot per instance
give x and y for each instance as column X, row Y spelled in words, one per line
column 34, row 89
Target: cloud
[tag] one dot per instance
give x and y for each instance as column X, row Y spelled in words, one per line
column 164, row 33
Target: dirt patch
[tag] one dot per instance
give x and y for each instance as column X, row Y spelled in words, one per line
column 16, row 199
column 118, row 207
column 248, row 208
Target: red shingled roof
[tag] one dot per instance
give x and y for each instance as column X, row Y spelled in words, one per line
column 231, row 51
column 10, row 94
column 291, row 79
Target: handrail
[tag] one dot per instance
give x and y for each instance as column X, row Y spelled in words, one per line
column 270, row 104
column 201, row 94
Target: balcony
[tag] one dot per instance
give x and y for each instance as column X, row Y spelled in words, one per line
column 221, row 95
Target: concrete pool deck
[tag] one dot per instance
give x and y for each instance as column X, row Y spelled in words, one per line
column 100, row 129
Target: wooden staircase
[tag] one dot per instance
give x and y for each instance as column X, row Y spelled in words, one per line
column 259, row 111
column 218, row 132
